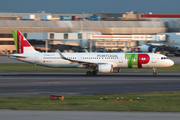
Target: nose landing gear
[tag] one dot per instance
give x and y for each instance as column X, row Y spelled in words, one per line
column 154, row 72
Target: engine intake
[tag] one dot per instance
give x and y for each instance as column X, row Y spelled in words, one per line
column 146, row 48
column 105, row 68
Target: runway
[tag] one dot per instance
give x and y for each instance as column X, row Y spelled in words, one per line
column 85, row 115
column 45, row 84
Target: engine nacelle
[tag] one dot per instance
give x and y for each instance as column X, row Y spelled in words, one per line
column 146, row 48
column 105, row 68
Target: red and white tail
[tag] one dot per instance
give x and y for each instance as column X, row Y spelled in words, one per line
column 22, row 45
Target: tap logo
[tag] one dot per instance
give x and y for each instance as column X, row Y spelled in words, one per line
column 21, row 43
column 143, row 59
column 137, row 60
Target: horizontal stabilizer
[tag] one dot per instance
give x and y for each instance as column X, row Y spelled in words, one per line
column 18, row 56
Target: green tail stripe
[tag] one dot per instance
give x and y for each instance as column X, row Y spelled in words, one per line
column 14, row 32
column 85, row 50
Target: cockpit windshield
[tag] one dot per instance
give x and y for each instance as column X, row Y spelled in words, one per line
column 162, row 58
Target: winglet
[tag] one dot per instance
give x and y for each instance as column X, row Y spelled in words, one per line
column 61, row 55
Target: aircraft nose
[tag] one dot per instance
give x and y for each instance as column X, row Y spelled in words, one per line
column 171, row 63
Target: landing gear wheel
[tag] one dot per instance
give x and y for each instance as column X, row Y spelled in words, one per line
column 88, row 73
column 94, row 73
column 154, row 72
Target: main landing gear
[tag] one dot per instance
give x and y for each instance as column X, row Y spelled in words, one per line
column 154, row 72
column 89, row 73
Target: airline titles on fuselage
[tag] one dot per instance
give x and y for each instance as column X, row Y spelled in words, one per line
column 107, row 56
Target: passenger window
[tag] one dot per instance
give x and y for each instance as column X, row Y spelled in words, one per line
column 51, row 35
column 80, row 36
column 65, row 36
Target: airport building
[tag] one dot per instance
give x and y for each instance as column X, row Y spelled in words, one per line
column 50, row 31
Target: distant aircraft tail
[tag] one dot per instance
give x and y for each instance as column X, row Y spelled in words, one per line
column 85, row 50
column 22, row 45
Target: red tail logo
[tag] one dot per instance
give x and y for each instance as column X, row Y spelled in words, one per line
column 21, row 43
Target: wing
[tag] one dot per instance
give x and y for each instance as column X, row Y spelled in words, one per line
column 165, row 46
column 156, row 44
column 81, row 62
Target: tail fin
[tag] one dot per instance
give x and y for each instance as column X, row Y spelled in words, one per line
column 22, row 45
column 85, row 50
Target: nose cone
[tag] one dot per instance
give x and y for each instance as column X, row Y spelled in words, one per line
column 170, row 63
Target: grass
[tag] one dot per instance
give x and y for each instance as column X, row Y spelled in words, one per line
column 25, row 67
column 155, row 102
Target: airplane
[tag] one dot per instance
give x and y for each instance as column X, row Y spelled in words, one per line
column 171, row 45
column 97, row 62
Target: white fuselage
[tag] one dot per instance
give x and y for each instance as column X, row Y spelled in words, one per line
column 118, row 60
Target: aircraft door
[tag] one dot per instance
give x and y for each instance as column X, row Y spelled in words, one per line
column 120, row 58
column 37, row 58
column 80, row 57
column 153, row 59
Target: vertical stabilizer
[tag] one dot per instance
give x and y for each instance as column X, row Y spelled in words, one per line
column 22, row 45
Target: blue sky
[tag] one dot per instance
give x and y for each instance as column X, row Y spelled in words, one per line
column 91, row 6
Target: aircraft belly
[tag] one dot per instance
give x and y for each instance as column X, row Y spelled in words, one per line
column 61, row 65
column 58, row 63
column 123, row 65
column 152, row 65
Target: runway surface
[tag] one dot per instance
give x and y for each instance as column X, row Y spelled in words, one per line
column 45, row 84
column 85, row 115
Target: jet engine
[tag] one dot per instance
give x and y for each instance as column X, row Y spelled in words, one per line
column 146, row 48
column 105, row 68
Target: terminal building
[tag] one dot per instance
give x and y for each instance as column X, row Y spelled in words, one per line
column 50, row 31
